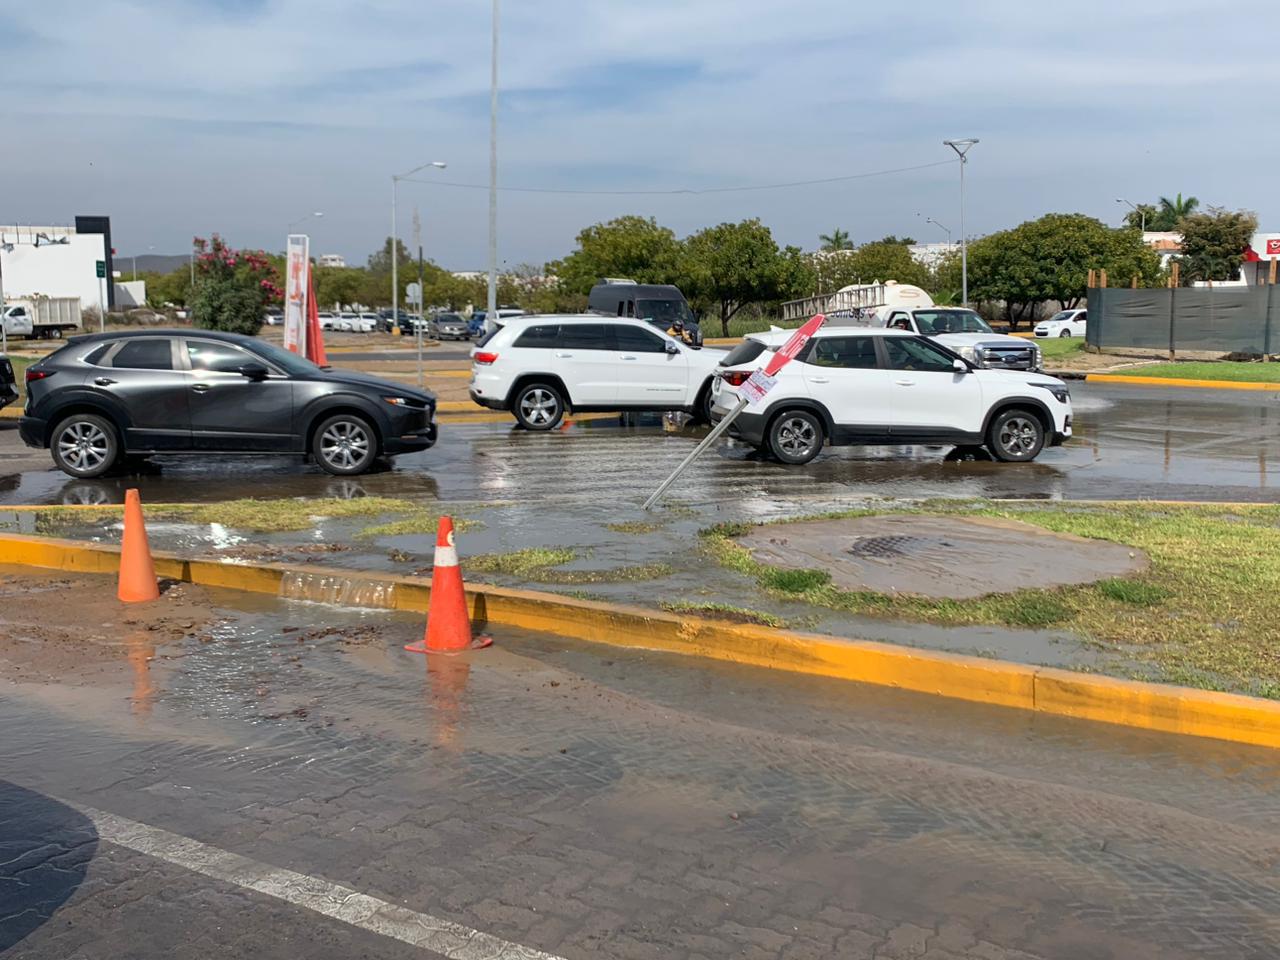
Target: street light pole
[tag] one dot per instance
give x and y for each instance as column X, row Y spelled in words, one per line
column 395, row 246
column 1142, row 214
column 961, row 147
column 940, row 227
column 491, row 304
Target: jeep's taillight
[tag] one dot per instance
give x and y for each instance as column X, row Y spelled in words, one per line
column 485, row 358
column 33, row 374
column 735, row 378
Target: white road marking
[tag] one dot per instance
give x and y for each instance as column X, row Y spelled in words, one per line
column 312, row 893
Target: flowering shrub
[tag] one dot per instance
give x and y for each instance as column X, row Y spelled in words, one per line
column 232, row 287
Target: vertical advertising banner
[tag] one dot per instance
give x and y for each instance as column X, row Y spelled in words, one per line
column 295, row 293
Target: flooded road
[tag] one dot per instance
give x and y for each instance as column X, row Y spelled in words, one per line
column 590, row 802
column 1131, row 443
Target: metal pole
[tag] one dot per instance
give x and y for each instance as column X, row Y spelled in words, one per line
column 709, row 439
column 4, row 327
column 964, row 242
column 395, row 257
column 422, row 315
column 491, row 314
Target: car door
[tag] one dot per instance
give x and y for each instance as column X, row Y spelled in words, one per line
column 143, row 375
column 648, row 375
column 928, row 397
column 844, row 374
column 230, row 411
column 1078, row 323
column 586, row 358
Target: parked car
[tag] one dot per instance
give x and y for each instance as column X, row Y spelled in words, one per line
column 105, row 397
column 881, row 386
column 273, row 317
column 659, row 304
column 8, row 383
column 475, row 326
column 369, row 322
column 347, row 321
column 449, row 326
column 963, row 331
column 539, row 367
column 328, row 321
column 1067, row 323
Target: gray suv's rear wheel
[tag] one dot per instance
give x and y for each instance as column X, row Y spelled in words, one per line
column 538, row 406
column 344, row 445
column 1015, row 436
column 795, row 436
column 85, row 445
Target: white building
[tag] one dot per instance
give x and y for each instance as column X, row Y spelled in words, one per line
column 331, row 260
column 55, row 262
column 932, row 254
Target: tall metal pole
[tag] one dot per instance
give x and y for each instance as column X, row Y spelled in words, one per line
column 491, row 314
column 422, row 316
column 4, row 329
column 395, row 257
column 961, row 147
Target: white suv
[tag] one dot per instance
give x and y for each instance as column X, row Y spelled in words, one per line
column 540, row 366
column 877, row 386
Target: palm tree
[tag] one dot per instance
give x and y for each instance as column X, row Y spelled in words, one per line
column 837, row 239
column 1171, row 212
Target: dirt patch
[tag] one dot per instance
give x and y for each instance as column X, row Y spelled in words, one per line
column 940, row 557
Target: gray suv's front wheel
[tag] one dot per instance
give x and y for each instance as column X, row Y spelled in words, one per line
column 344, row 445
column 85, row 445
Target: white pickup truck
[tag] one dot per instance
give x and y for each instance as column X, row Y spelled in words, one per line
column 41, row 316
column 963, row 331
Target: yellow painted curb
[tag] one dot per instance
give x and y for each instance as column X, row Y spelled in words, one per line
column 1058, row 692
column 1180, row 382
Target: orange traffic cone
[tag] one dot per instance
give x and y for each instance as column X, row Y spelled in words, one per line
column 448, row 625
column 137, row 571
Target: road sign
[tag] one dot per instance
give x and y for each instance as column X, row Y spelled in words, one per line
column 102, row 269
column 413, row 293
column 753, row 390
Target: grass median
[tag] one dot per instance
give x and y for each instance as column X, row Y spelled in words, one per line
column 1204, row 615
column 1231, row 371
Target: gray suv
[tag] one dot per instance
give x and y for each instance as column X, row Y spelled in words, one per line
column 107, row 397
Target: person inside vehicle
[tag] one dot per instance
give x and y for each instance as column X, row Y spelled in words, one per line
column 678, row 331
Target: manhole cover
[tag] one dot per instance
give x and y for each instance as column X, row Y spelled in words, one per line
column 894, row 546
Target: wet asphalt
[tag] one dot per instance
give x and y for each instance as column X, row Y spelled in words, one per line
column 598, row 803
column 1131, row 443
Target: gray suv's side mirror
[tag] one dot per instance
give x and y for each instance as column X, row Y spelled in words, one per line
column 672, row 348
column 959, row 366
column 254, row 371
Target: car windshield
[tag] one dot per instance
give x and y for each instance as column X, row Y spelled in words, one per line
column 449, row 318
column 664, row 311
column 950, row 321
column 289, row 362
column 1064, row 315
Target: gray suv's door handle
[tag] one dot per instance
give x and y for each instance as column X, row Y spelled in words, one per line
column 104, row 381
column 200, row 387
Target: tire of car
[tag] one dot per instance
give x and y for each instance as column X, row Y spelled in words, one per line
column 702, row 406
column 344, row 445
column 1064, row 333
column 1015, row 436
column 795, row 436
column 538, row 406
column 85, row 445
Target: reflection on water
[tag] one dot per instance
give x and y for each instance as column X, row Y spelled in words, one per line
column 446, row 689
column 141, row 653
column 337, row 590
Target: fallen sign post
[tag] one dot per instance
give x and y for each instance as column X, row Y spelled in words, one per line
column 752, row 391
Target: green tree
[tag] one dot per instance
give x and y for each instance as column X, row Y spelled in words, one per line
column 630, row 246
column 1213, row 243
column 232, row 287
column 380, row 259
column 1170, row 213
column 1145, row 217
column 733, row 264
column 946, row 279
column 166, row 288
column 837, row 239
column 339, row 285
column 1049, row 260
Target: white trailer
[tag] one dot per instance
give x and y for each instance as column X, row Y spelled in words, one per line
column 858, row 302
column 41, row 316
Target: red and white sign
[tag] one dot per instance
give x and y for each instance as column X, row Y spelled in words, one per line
column 756, row 386
column 1273, row 246
column 295, row 293
column 794, row 345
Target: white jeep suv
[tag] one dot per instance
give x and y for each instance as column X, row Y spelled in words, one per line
column 888, row 387
column 540, row 366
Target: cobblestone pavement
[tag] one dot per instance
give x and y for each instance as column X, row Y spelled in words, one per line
column 593, row 803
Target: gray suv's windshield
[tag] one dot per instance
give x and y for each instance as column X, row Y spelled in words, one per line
column 933, row 322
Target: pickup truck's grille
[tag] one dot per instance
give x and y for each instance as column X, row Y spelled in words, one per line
column 1011, row 358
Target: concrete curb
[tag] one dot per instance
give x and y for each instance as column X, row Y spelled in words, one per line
column 1180, row 382
column 1043, row 690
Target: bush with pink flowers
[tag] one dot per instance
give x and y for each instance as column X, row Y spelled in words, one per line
column 233, row 287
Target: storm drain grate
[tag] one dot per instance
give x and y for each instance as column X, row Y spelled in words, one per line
column 894, row 546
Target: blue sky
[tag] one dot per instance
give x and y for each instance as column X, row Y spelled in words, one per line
column 187, row 117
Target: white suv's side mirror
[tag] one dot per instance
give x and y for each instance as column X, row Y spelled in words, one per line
column 959, row 366
column 672, row 348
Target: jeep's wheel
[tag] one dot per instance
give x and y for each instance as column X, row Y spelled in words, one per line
column 1015, row 436
column 344, row 445
column 85, row 445
column 538, row 406
column 795, row 436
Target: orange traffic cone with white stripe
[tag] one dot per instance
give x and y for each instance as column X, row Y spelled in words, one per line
column 137, row 571
column 448, row 625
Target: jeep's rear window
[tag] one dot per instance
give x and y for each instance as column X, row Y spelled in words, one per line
column 544, row 336
column 744, row 352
